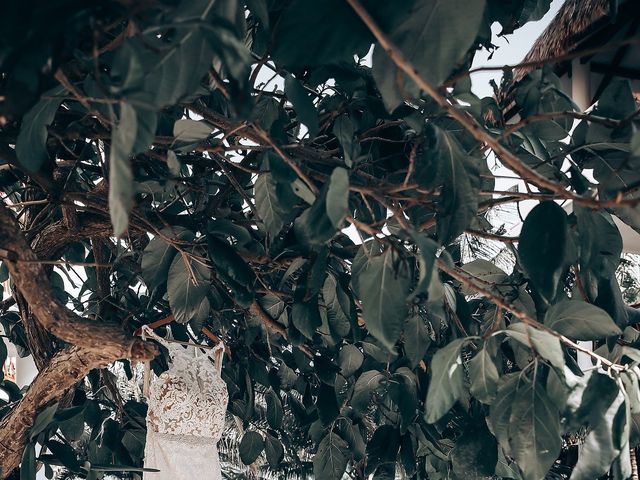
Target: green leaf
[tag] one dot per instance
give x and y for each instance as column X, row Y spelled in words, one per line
column 338, row 304
column 318, row 223
column 429, row 281
column 500, row 412
column 31, row 144
column 121, row 190
column 445, row 164
column 600, row 242
column 545, row 344
column 268, row 204
column 28, row 463
column 274, row 451
column 274, row 409
column 344, row 130
column 484, row 377
column 534, row 431
column 365, row 386
column 599, row 403
column 158, row 255
column 332, row 34
column 232, row 269
column 302, row 103
column 251, row 447
column 484, row 270
column 350, row 360
column 579, row 320
column 173, row 163
column 190, row 131
column 617, row 100
column 330, row 461
column 433, row 37
column 43, row 420
column 416, row 339
column 403, row 390
column 187, row 287
column 447, row 380
column 384, row 286
column 543, row 246
column 338, row 196
column 306, row 317
column 3, row 358
column 635, row 143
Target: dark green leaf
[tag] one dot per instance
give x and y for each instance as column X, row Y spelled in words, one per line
column 338, row 196
column 500, row 412
column 31, row 145
column 28, row 463
column 331, row 458
column 445, row 164
column 579, row 320
column 545, row 344
column 338, row 305
column 333, row 33
column 120, row 173
column 404, row 392
column 484, row 377
column 350, row 359
column 43, row 420
column 429, row 281
column 319, row 223
column 447, row 380
column 274, row 409
column 543, row 246
column 534, row 431
column 344, row 131
column 365, row 386
column 232, row 269
column 306, row 318
column 159, row 254
column 384, row 286
column 251, row 447
column 273, row 450
column 416, row 339
column 268, row 204
column 302, row 103
column 187, row 287
column 598, row 402
column 600, row 242
column 420, row 36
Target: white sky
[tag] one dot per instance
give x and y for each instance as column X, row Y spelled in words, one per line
column 512, row 50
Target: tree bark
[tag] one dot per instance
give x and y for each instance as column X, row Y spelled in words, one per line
column 66, row 368
column 32, row 282
column 95, row 344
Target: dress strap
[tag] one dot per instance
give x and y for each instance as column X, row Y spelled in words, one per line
column 218, row 356
column 149, row 333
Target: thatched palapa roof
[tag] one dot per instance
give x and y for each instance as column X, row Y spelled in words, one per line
column 575, row 20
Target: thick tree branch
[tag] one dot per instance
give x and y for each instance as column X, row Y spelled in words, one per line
column 66, row 368
column 32, row 282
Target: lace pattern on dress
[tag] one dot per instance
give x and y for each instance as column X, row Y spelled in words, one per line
column 189, row 399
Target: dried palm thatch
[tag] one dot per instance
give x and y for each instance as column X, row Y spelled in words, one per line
column 573, row 22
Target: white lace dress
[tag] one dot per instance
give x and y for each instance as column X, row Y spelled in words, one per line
column 185, row 420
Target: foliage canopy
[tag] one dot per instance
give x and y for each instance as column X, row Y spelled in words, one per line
column 241, row 168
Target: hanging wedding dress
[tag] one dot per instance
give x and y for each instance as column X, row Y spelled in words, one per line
column 185, row 420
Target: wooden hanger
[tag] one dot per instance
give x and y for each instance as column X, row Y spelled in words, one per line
column 170, row 318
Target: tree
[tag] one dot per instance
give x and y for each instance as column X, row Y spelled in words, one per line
column 144, row 157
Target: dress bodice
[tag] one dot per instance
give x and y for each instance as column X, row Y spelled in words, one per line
column 190, row 398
